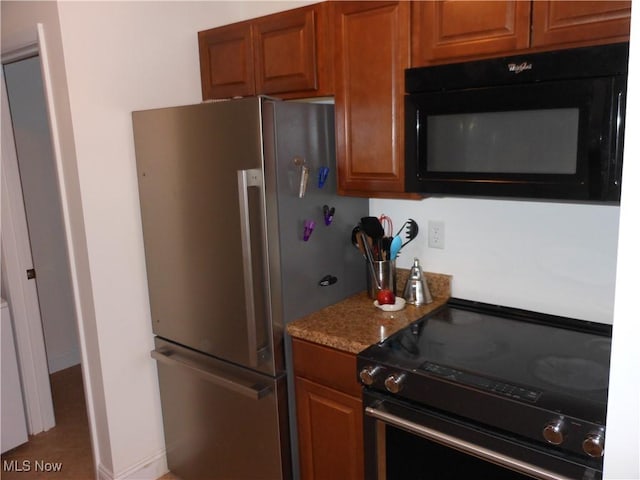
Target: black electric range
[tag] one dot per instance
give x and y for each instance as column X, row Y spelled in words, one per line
column 527, row 376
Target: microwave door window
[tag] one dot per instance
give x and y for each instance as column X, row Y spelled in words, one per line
column 543, row 141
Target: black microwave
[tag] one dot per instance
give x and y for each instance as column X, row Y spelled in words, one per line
column 545, row 125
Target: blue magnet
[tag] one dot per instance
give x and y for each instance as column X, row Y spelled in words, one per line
column 323, row 173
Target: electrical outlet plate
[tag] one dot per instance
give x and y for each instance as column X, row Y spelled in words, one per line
column 436, row 234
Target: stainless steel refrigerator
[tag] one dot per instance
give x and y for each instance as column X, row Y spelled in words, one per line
column 228, row 194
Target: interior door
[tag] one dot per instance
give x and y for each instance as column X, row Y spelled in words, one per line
column 16, row 259
column 43, row 207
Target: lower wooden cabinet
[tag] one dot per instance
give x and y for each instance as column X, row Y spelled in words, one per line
column 329, row 432
column 329, row 413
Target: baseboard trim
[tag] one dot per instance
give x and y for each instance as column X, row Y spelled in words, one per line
column 63, row 360
column 104, row 473
column 149, row 469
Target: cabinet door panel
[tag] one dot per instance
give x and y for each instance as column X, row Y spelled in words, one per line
column 372, row 51
column 285, row 52
column 587, row 22
column 226, row 61
column 330, row 432
column 455, row 28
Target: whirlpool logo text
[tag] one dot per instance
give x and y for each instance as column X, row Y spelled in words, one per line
column 519, row 67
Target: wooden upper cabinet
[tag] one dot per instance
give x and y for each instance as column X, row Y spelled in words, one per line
column 226, row 61
column 372, row 51
column 449, row 30
column 456, row 28
column 285, row 54
column 583, row 22
column 291, row 52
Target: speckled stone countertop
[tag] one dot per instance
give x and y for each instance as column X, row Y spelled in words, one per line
column 355, row 323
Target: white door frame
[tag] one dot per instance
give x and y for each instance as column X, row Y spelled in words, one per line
column 39, row 44
column 16, row 257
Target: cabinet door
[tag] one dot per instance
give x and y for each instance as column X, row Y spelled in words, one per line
column 290, row 52
column 451, row 29
column 226, row 61
column 586, row 22
column 372, row 51
column 330, row 432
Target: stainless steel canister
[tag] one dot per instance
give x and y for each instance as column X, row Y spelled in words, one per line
column 416, row 290
column 381, row 276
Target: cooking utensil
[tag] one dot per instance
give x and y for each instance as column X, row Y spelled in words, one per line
column 354, row 236
column 387, row 225
column 367, row 249
column 394, row 249
column 357, row 241
column 386, row 248
column 411, row 230
column 373, row 228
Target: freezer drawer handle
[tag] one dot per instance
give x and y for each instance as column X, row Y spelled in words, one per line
column 254, row 391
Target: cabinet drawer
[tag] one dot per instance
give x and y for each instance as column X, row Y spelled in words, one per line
column 327, row 366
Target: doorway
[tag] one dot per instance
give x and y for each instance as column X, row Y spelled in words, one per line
column 45, row 237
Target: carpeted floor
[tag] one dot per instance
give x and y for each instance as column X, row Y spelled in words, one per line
column 64, row 452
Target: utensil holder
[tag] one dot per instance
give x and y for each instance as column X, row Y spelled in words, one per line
column 381, row 275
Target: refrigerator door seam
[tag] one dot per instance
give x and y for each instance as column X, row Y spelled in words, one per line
column 255, row 391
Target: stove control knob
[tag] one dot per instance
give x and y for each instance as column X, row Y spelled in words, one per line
column 394, row 382
column 593, row 444
column 555, row 431
column 368, row 374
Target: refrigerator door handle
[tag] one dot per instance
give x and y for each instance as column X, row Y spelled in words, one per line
column 249, row 178
column 254, row 391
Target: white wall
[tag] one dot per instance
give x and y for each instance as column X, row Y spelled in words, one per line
column 120, row 57
column 20, row 21
column 622, row 454
column 124, row 56
column 548, row 257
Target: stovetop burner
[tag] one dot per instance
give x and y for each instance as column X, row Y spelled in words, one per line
column 547, row 356
column 468, row 356
column 572, row 373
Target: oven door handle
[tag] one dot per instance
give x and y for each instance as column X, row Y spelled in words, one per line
column 463, row 446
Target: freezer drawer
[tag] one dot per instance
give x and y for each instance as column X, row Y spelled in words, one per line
column 221, row 421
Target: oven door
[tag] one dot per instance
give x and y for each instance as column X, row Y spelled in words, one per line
column 403, row 442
